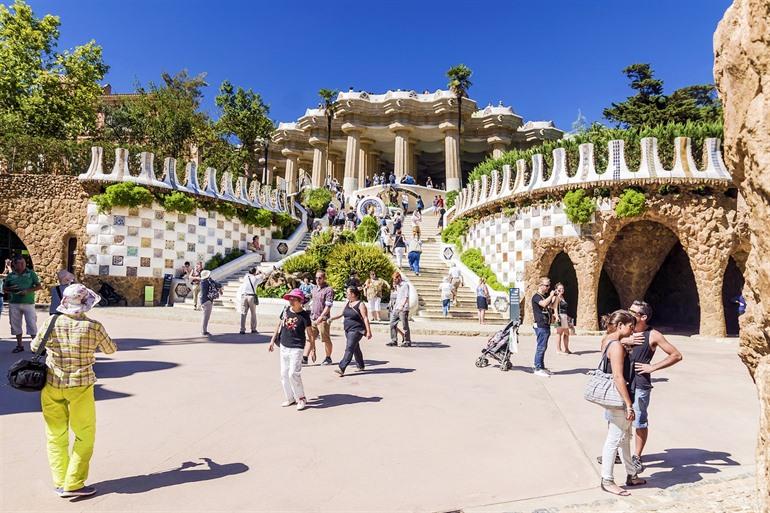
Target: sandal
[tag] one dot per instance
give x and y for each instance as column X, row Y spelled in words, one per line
column 609, row 482
column 18, row 349
column 635, row 480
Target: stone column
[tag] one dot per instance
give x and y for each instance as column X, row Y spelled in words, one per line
column 412, row 167
column 318, row 176
column 451, row 155
column 270, row 174
column 291, row 169
column 401, row 159
column 350, row 181
column 499, row 145
column 364, row 169
column 374, row 162
column 305, row 170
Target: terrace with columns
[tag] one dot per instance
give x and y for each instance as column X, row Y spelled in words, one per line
column 685, row 253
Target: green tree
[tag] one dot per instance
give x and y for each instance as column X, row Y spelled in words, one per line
column 164, row 117
column 329, row 106
column 459, row 82
column 244, row 116
column 650, row 106
column 44, row 92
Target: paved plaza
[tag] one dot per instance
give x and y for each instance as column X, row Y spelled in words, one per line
column 187, row 423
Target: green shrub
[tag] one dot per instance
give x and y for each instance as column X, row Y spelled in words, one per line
column 702, row 190
column 226, row 208
column 323, row 243
column 179, row 202
column 345, row 258
column 256, row 217
column 367, row 230
column 451, row 197
column 219, row 260
column 455, row 230
column 124, row 194
column 317, row 200
column 278, row 291
column 304, row 263
column 578, row 207
column 509, row 211
column 474, row 260
column 630, row 204
column 667, row 188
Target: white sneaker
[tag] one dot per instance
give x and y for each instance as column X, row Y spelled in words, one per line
column 301, row 405
column 288, row 403
column 542, row 373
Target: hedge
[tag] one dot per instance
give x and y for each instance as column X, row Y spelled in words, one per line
column 473, row 259
column 345, row 258
column 455, row 230
column 367, row 230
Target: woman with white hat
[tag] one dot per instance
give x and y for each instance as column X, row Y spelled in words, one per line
column 293, row 330
column 210, row 290
column 68, row 397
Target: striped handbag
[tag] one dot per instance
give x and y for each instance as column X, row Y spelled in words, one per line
column 601, row 388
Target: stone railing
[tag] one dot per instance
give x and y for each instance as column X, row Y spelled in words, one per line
column 509, row 185
column 253, row 194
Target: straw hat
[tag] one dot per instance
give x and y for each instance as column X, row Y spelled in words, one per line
column 76, row 299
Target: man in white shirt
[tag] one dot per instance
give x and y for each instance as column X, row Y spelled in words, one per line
column 246, row 298
column 399, row 311
column 446, row 290
column 456, row 280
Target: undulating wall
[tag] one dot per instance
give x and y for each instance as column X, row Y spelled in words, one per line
column 742, row 73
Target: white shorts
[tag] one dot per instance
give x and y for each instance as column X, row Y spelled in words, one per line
column 374, row 304
column 17, row 311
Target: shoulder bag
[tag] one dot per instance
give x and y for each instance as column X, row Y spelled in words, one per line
column 601, row 388
column 31, row 375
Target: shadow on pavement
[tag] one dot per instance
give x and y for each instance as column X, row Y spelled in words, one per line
column 118, row 369
column 684, row 465
column 384, row 370
column 429, row 345
column 14, row 401
column 572, row 371
column 332, row 400
column 181, row 475
column 586, row 351
column 140, row 344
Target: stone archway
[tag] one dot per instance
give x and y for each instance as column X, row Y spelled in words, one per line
column 563, row 271
column 11, row 245
column 607, row 297
column 732, row 286
column 673, row 293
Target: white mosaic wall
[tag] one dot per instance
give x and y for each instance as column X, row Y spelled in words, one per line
column 149, row 242
column 506, row 243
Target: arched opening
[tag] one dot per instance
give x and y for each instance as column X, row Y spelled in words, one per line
column 563, row 271
column 732, row 287
column 673, row 294
column 11, row 245
column 607, row 297
column 72, row 246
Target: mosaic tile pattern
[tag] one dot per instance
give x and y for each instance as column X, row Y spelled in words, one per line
column 149, row 242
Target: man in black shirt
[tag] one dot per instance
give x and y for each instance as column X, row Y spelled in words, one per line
column 541, row 303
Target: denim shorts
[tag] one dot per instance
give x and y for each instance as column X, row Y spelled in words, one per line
column 641, row 403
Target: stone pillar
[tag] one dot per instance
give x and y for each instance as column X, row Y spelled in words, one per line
column 401, row 159
column 499, row 145
column 350, row 181
column 451, row 156
column 364, row 169
column 270, row 174
column 374, row 162
column 305, row 170
column 292, row 167
column 412, row 168
column 318, row 176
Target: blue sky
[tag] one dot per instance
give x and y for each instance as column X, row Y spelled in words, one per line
column 545, row 59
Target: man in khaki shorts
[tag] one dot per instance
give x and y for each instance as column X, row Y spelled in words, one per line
column 320, row 310
column 22, row 283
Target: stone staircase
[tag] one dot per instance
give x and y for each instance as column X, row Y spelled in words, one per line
column 432, row 272
column 303, row 244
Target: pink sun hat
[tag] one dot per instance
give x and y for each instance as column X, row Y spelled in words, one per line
column 295, row 294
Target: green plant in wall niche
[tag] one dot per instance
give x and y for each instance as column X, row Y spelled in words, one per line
column 509, row 211
column 451, row 197
column 179, row 202
column 455, row 231
column 367, row 230
column 578, row 206
column 702, row 190
column 601, row 192
column 631, row 204
column 667, row 188
column 124, row 194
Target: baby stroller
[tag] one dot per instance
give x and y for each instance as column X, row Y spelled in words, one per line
column 109, row 295
column 499, row 347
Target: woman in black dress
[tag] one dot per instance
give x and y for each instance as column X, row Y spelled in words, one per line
column 356, row 327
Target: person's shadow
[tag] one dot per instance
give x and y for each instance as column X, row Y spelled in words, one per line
column 332, row 400
column 145, row 482
column 684, row 465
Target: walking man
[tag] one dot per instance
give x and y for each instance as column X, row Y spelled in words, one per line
column 647, row 340
column 320, row 311
column 415, row 251
column 400, row 311
column 68, row 397
column 456, row 280
column 22, row 283
column 542, row 302
column 247, row 295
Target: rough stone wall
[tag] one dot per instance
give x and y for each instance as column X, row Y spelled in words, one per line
column 742, row 73
column 44, row 211
column 708, row 228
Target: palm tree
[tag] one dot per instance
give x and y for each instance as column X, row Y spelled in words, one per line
column 328, row 98
column 459, row 82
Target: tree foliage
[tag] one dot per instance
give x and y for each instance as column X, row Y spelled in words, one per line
column 44, row 92
column 650, row 106
column 317, row 200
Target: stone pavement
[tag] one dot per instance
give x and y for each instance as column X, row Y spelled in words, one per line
column 193, row 424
